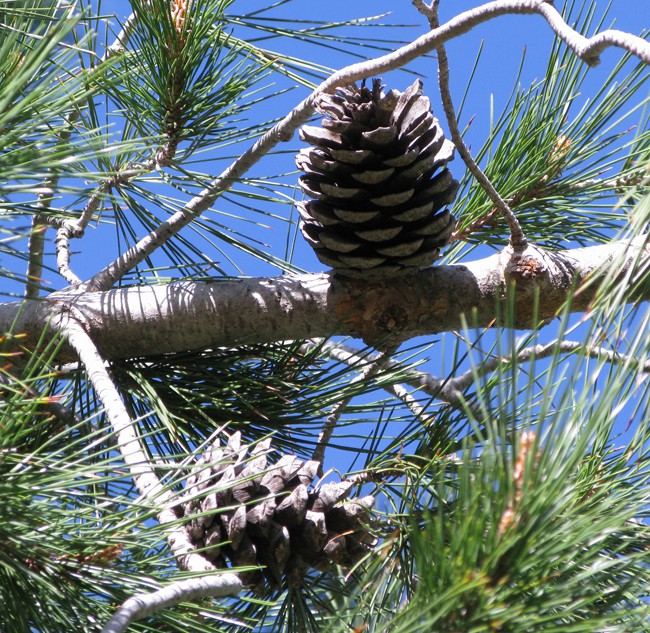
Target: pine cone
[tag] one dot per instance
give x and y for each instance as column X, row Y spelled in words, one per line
column 378, row 182
column 240, row 511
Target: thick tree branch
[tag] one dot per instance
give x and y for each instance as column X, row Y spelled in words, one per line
column 145, row 321
column 587, row 49
column 128, row 441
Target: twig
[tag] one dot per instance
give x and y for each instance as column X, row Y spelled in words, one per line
column 144, row 604
column 128, row 441
column 463, row 381
column 451, row 389
column 350, row 356
column 75, row 228
column 41, row 219
column 379, row 360
column 62, row 242
column 435, row 387
column 586, row 48
column 36, row 249
column 121, row 41
column 518, row 240
column 36, row 246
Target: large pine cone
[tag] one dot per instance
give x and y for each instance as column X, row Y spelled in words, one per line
column 242, row 512
column 378, row 181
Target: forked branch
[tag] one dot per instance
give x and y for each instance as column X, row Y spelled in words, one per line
column 518, row 240
column 451, row 389
column 371, row 369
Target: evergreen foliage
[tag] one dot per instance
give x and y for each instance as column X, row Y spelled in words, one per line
column 520, row 504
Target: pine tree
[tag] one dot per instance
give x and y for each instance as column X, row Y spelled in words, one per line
column 438, row 421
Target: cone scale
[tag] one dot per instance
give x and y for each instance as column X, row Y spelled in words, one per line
column 376, row 182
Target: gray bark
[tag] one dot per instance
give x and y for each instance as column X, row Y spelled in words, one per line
column 144, row 321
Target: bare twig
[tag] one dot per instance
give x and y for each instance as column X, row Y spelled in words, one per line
column 460, row 383
column 41, row 219
column 75, row 228
column 62, row 242
column 586, row 48
column 135, row 457
column 36, row 248
column 518, row 240
column 352, row 357
column 121, row 41
column 143, row 605
column 372, row 368
column 451, row 389
column 128, row 441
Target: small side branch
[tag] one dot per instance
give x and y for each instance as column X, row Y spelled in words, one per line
column 588, row 49
column 128, row 442
column 76, row 228
column 455, row 386
column 372, row 368
column 352, row 357
column 36, row 249
column 451, row 389
column 121, row 41
column 66, row 228
column 518, row 240
column 143, row 605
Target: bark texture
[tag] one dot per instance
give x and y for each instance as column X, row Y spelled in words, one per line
column 145, row 321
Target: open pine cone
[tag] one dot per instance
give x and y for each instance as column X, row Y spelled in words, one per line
column 242, row 512
column 377, row 181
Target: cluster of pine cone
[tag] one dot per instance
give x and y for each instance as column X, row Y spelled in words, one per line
column 377, row 181
column 242, row 512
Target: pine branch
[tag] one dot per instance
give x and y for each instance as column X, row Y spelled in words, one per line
column 451, row 389
column 144, row 477
column 518, row 240
column 353, row 358
column 368, row 372
column 143, row 605
column 76, row 228
column 36, row 247
column 146, row 320
column 66, row 228
column 122, row 40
